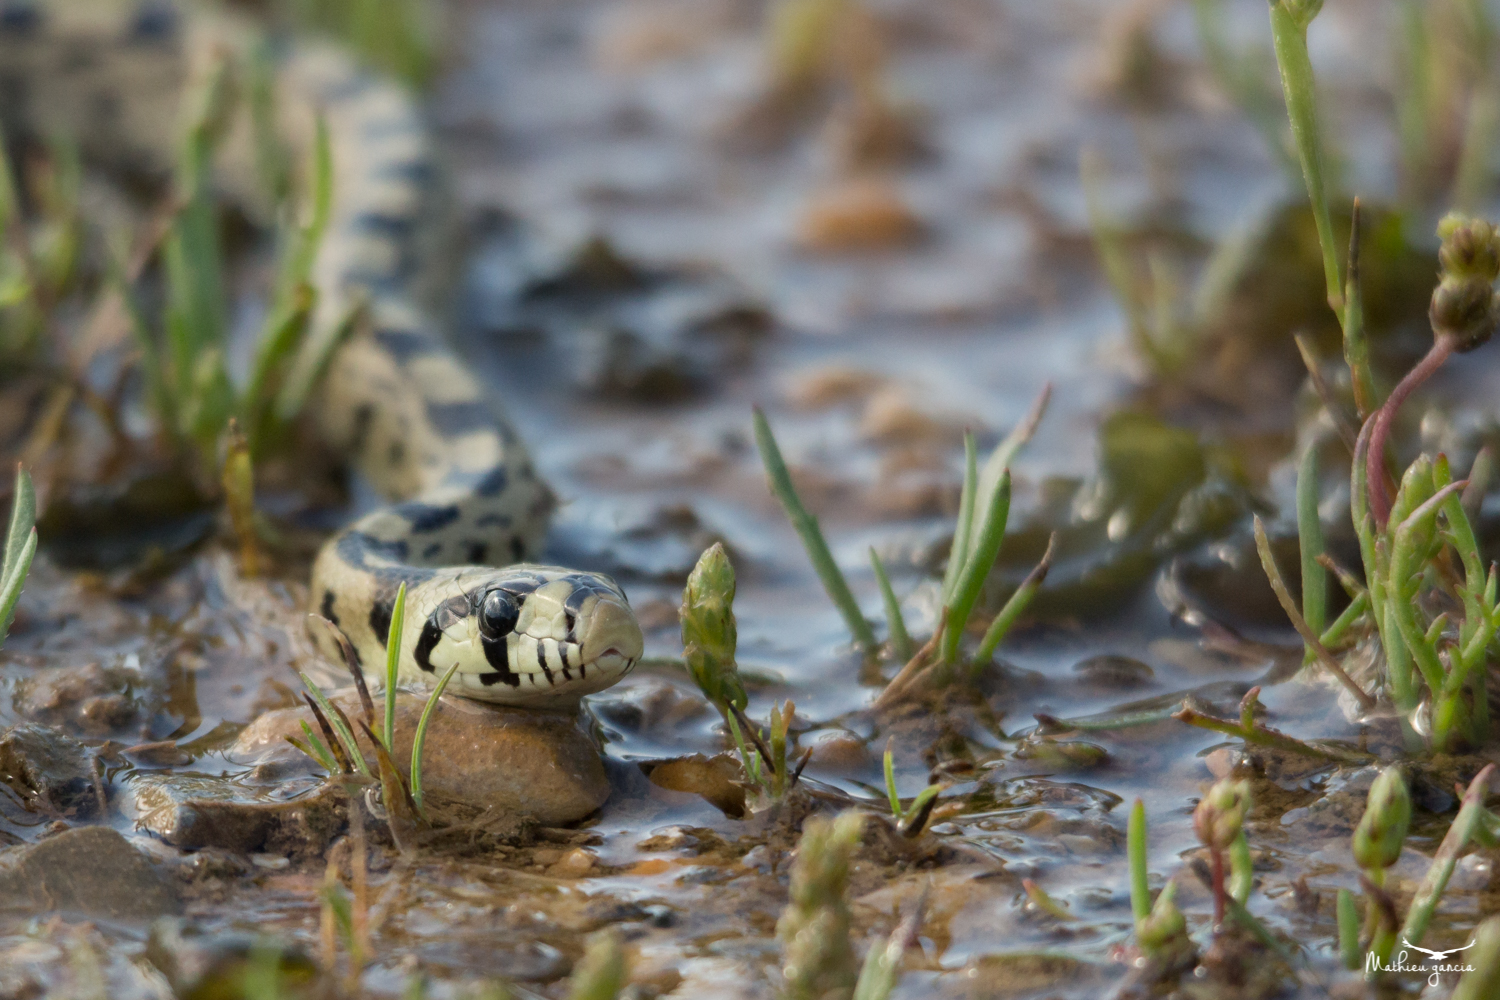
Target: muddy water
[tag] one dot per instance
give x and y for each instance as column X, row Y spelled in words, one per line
column 635, row 123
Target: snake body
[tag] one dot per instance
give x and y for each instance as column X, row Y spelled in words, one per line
column 466, row 505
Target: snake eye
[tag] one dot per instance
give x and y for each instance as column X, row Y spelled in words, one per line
column 498, row 614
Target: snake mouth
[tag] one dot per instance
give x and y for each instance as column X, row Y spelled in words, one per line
column 612, row 639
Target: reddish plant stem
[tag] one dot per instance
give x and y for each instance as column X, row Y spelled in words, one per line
column 1217, row 856
column 1380, row 498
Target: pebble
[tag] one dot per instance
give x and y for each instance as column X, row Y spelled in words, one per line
column 574, row 864
column 523, row 762
column 91, row 870
column 863, row 214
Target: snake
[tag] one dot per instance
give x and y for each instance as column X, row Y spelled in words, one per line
column 464, row 508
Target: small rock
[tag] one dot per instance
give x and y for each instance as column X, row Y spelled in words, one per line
column 575, row 864
column 891, row 417
column 513, row 760
column 91, row 870
column 832, row 385
column 715, row 778
column 1116, row 673
column 95, row 700
column 274, row 862
column 864, row 214
column 49, row 771
column 194, row 811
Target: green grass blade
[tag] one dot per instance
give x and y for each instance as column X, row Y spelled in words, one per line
column 1310, row 543
column 1348, row 917
column 10, row 587
column 900, row 639
column 1443, row 861
column 336, row 720
column 312, row 360
column 1005, row 452
column 1135, row 848
column 318, row 750
column 977, row 568
column 812, row 536
column 1014, row 607
column 959, row 550
column 421, row 737
column 890, row 784
column 22, row 520
column 1289, row 20
column 393, row 663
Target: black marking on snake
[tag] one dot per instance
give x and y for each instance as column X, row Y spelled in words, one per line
column 427, row 642
column 380, row 619
column 389, row 224
column 364, row 415
column 426, row 518
column 453, row 419
column 498, row 655
column 327, row 607
column 419, row 172
column 571, row 619
column 154, row 22
column 403, row 345
column 356, row 548
column 519, row 587
column 493, row 483
column 583, row 589
column 477, row 552
column 541, row 660
column 19, row 17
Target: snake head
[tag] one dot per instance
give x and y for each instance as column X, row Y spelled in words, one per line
column 531, row 635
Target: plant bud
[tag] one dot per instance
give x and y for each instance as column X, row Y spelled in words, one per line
column 1382, row 830
column 709, row 634
column 1470, row 248
column 1165, row 927
column 1221, row 814
column 1466, row 309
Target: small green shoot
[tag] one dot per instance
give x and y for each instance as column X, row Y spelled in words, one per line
column 913, row 818
column 20, row 548
column 817, row 953
column 1484, row 981
column 238, row 481
column 1044, row 902
column 882, row 969
column 602, row 972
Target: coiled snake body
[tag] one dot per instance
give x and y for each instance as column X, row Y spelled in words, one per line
column 395, row 400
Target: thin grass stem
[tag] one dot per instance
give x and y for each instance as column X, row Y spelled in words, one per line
column 895, row 622
column 420, row 739
column 812, row 536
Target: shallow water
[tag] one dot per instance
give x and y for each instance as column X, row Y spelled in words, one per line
column 576, row 119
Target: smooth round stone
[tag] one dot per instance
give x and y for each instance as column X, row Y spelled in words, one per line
column 529, row 763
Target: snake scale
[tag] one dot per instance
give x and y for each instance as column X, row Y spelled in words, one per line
column 466, row 506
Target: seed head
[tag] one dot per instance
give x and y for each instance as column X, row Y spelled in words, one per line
column 1464, row 304
column 1220, row 816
